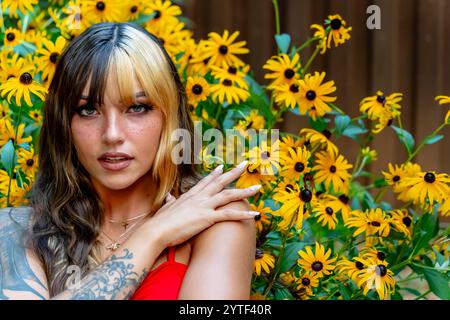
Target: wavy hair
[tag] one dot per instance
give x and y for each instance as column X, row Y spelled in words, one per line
column 67, row 210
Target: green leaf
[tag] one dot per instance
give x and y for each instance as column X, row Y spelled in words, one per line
column 283, row 294
column 412, row 291
column 319, row 125
column 438, row 281
column 341, row 122
column 352, row 131
column 431, row 140
column 344, row 291
column 144, row 18
column 397, row 295
column 290, row 255
column 424, row 230
column 381, row 182
column 405, row 137
column 283, row 42
column 7, row 155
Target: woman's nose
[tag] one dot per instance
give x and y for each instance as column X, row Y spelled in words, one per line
column 113, row 132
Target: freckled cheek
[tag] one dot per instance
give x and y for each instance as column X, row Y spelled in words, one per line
column 146, row 138
column 85, row 140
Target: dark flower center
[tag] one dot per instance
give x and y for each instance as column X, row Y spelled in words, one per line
column 265, row 155
column 375, row 223
column 259, row 253
column 10, row 36
column 396, row 178
column 197, row 89
column 289, row 73
column 327, row 134
column 294, row 88
column 10, row 76
column 381, row 255
column 317, row 266
column 227, row 82
column 206, row 60
column 100, row 5
column 306, row 282
column 311, row 95
column 381, row 99
column 258, row 217
column 359, row 265
column 407, row 221
column 133, row 9
column 299, row 167
column 333, row 169
column 30, row 162
column 381, row 270
column 54, row 57
column 429, row 177
column 336, row 24
column 306, row 195
column 289, row 188
column 26, row 78
column 389, row 122
column 329, row 211
column 252, row 171
column 318, row 193
column 232, row 69
column 344, row 199
column 157, row 14
column 223, row 49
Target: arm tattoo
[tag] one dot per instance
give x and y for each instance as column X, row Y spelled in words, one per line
column 14, row 266
column 113, row 279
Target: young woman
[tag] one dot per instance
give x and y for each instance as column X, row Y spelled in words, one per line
column 111, row 216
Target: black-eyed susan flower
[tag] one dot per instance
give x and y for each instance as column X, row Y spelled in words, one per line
column 164, row 13
column 444, row 100
column 4, row 110
column 265, row 157
column 102, row 11
column 75, row 20
column 251, row 121
column 320, row 139
column 396, row 175
column 287, row 94
column 307, row 281
column 28, row 161
column 313, row 95
column 50, row 54
column 13, row 6
column 374, row 254
column 252, row 176
column 12, row 37
column 402, row 221
column 376, row 106
column 295, row 162
column 197, row 89
column 8, row 132
column 221, row 50
column 318, row 262
column 134, row 9
column 264, row 218
column 172, row 36
column 325, row 214
column 233, row 73
column 227, row 90
column 288, row 278
column 444, row 209
column 332, row 171
column 22, row 86
column 377, row 276
column 338, row 30
column 263, row 261
column 284, row 70
column 321, row 34
column 340, row 204
column 289, row 141
column 287, row 184
column 429, row 186
column 10, row 65
column 36, row 115
column 351, row 268
column 370, row 222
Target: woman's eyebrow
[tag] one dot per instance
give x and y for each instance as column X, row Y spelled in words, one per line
column 138, row 95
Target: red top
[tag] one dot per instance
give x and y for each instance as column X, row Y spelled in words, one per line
column 164, row 282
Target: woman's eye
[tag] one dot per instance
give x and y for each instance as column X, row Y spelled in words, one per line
column 86, row 111
column 140, row 108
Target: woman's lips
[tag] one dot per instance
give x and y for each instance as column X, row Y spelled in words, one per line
column 116, row 165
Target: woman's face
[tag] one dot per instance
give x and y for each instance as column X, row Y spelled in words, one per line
column 116, row 143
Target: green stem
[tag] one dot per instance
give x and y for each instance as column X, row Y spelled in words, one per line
column 380, row 194
column 423, row 295
column 311, row 59
column 307, row 43
column 410, row 278
column 422, row 144
column 277, row 16
column 11, row 174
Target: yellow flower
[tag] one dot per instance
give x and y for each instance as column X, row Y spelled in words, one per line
column 12, row 37
column 287, row 94
column 318, row 263
column 322, row 35
column 352, row 269
column 284, row 70
column 172, row 36
column 339, row 204
column 326, row 214
column 321, row 139
column 397, row 175
column 370, row 222
column 197, row 89
column 429, row 186
column 35, row 115
column 251, row 121
column 227, row 90
column 288, row 278
column 102, row 11
column 28, row 162
column 50, row 53
column 339, row 33
column 295, row 162
column 252, row 176
column 263, row 219
column 444, row 100
column 287, row 184
column 165, row 13
column 22, row 86
column 332, row 170
column 8, row 132
column 221, row 50
column 265, row 157
column 313, row 95
column 263, row 261
column 374, row 254
column 402, row 221
column 376, row 106
column 232, row 73
column 13, row 5
column 307, row 281
column 377, row 276
column 134, row 9
column 10, row 67
column 444, row 209
column 369, row 155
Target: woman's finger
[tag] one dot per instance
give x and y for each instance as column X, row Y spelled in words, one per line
column 229, row 195
column 206, row 180
column 225, row 179
column 233, row 214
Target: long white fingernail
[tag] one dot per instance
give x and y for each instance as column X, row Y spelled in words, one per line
column 255, row 187
column 253, row 213
column 243, row 164
column 218, row 169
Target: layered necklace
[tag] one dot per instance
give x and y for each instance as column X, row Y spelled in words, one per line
column 128, row 224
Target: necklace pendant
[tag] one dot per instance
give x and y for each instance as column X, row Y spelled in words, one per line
column 125, row 224
column 113, row 246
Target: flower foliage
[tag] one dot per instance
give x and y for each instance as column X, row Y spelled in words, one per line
column 322, row 233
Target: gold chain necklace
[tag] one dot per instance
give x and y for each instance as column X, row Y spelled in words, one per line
column 126, row 222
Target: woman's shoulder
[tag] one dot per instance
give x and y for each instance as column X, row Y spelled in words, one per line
column 14, row 219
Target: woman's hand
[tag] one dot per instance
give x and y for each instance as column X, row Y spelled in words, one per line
column 180, row 219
